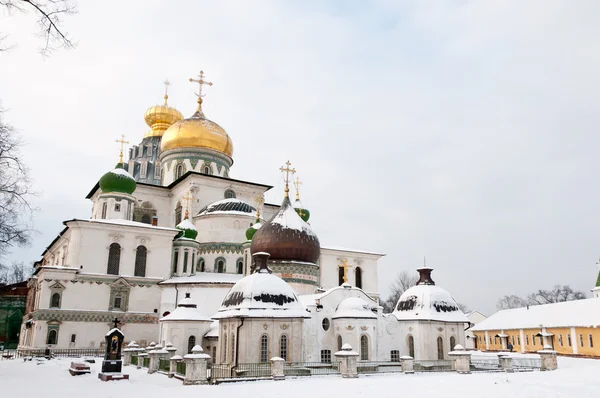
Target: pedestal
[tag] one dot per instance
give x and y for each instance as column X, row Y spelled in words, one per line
column 109, row 366
column 195, row 367
column 173, row 365
column 548, row 359
column 462, row 361
column 408, row 364
column 277, row 368
column 506, row 363
column 347, row 359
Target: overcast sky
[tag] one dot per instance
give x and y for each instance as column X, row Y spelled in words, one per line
column 463, row 131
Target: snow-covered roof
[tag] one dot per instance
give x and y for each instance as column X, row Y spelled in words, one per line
column 186, row 224
column 205, row 277
column 566, row 314
column 354, row 307
column 214, row 330
column 228, row 206
column 261, row 295
column 186, row 311
column 111, row 331
column 289, row 219
column 339, row 249
column 428, row 302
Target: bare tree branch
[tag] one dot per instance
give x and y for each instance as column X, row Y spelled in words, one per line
column 402, row 283
column 558, row 294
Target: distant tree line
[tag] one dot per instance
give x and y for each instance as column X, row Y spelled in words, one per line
column 557, row 294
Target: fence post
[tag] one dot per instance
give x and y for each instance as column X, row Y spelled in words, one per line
column 408, row 364
column 173, row 365
column 128, row 353
column 277, row 368
column 154, row 360
column 461, row 359
column 347, row 359
column 195, row 367
column 141, row 360
column 170, row 349
column 506, row 362
column 548, row 358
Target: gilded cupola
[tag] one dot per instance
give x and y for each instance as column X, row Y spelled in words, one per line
column 160, row 117
column 197, row 131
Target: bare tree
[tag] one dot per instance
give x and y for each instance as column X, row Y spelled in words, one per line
column 49, row 14
column 15, row 273
column 463, row 308
column 15, row 193
column 402, row 283
column 558, row 294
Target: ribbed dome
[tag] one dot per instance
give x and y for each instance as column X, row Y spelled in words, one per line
column 197, row 132
column 230, row 205
column 287, row 237
column 160, row 117
column 117, row 180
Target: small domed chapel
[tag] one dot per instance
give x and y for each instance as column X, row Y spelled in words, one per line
column 179, row 252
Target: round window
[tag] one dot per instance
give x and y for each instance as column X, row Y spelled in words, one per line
column 326, row 324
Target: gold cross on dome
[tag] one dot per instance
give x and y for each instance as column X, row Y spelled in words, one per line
column 345, row 266
column 200, row 80
column 297, row 183
column 287, row 171
column 260, row 199
column 122, row 142
column 167, row 83
column 187, row 198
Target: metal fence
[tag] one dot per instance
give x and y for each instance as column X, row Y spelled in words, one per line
column 379, row 367
column 242, row 370
column 52, row 353
column 180, row 368
column 439, row 365
column 310, row 368
column 134, row 360
column 146, row 362
column 164, row 365
column 526, row 364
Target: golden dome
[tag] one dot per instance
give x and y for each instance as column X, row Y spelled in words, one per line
column 197, row 132
column 160, row 117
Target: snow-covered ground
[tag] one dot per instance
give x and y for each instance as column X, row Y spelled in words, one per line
column 574, row 378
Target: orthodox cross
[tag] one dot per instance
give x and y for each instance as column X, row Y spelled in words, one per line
column 260, row 199
column 187, row 199
column 167, row 83
column 116, row 321
column 345, row 266
column 297, row 183
column 200, row 80
column 287, row 171
column 122, row 142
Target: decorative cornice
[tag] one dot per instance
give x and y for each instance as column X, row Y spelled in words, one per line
column 210, row 248
column 92, row 316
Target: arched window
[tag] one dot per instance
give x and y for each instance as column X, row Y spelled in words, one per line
column 175, row 261
column 220, row 265
column 340, row 276
column 411, row 346
column 224, row 359
column 214, row 353
column 104, row 208
column 206, row 169
column 440, row 347
column 364, row 348
column 358, row 277
column 179, row 171
column 178, row 213
column 114, row 259
column 191, row 344
column 239, row 266
column 453, row 342
column 200, row 265
column 140, row 261
column 229, row 194
column 52, row 337
column 55, row 301
column 283, row 347
column 264, row 348
column 340, row 343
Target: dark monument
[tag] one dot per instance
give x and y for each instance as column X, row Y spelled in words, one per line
column 112, row 363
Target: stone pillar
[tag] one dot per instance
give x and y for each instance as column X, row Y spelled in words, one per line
column 408, row 364
column 506, row 362
column 170, row 349
column 141, row 359
column 277, row 368
column 195, row 367
column 127, row 354
column 173, row 365
column 548, row 358
column 461, row 359
column 154, row 359
column 347, row 359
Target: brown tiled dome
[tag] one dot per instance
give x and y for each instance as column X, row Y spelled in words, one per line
column 287, row 237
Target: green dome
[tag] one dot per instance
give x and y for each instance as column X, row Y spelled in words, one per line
column 303, row 213
column 188, row 229
column 117, row 180
column 252, row 230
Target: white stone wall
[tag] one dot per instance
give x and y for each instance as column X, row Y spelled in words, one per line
column 331, row 259
column 229, row 228
column 208, row 297
column 178, row 333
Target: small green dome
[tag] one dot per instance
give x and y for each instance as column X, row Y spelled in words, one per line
column 188, row 229
column 303, row 213
column 252, row 230
column 117, row 180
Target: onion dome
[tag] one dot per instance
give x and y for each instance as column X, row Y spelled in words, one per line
column 355, row 307
column 286, row 236
column 160, row 117
column 250, row 232
column 186, row 311
column 303, row 213
column 228, row 206
column 188, row 229
column 197, row 132
column 261, row 295
column 425, row 301
column 117, row 180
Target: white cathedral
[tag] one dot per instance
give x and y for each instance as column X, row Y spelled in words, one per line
column 181, row 253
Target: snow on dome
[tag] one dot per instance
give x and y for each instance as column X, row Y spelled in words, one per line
column 289, row 219
column 228, row 206
column 428, row 302
column 261, row 295
column 214, row 330
column 117, row 180
column 186, row 224
column 354, row 307
column 186, row 311
column 122, row 173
